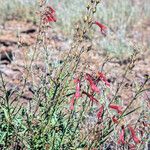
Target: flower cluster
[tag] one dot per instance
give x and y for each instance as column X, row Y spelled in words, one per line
column 49, row 15
column 92, row 83
column 93, row 88
column 133, row 135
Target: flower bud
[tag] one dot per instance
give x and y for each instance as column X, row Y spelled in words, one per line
column 84, row 31
column 85, row 18
column 77, row 27
column 88, row 6
column 94, row 10
column 90, row 20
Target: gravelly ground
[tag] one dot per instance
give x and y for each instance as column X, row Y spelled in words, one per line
column 17, row 40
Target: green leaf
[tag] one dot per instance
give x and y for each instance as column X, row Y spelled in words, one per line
column 6, row 113
column 131, row 111
column 2, row 136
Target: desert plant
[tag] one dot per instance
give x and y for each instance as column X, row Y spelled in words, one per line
column 72, row 107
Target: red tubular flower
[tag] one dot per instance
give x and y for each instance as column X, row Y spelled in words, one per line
column 102, row 27
column 72, row 103
column 49, row 18
column 51, row 9
column 100, row 112
column 121, row 136
column 116, row 107
column 90, row 96
column 115, row 120
column 49, row 15
column 135, row 138
column 77, row 94
column 93, row 86
column 102, row 77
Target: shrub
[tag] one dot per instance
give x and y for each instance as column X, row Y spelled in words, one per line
column 72, row 107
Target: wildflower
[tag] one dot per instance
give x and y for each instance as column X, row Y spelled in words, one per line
column 115, row 120
column 51, row 9
column 102, row 27
column 50, row 18
column 100, row 112
column 135, row 138
column 93, row 86
column 90, row 96
column 49, row 15
column 121, row 136
column 72, row 103
column 102, row 77
column 116, row 107
column 77, row 94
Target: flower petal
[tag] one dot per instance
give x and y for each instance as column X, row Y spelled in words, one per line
column 121, row 136
column 100, row 112
column 116, row 107
column 72, row 103
column 49, row 15
column 93, row 86
column 102, row 27
column 102, row 77
column 115, row 120
column 90, row 96
column 77, row 94
column 135, row 138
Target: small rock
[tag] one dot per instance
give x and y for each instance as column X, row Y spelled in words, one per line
column 27, row 95
column 28, row 31
column 6, row 55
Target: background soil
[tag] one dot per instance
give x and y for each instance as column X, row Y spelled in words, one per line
column 16, row 42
